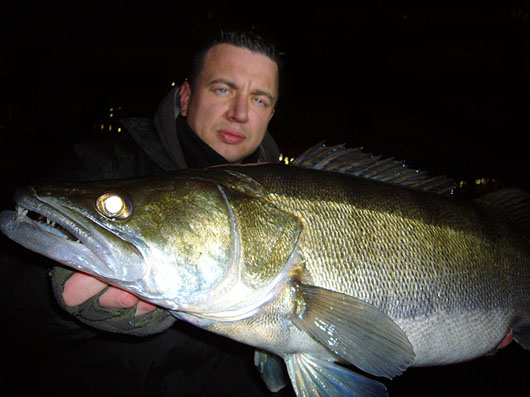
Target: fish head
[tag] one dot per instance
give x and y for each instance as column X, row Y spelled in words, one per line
column 169, row 240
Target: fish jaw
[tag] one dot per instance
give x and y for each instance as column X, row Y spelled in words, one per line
column 75, row 241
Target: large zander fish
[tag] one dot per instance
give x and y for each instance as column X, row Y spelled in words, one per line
column 341, row 259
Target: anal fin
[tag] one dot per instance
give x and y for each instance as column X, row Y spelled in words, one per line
column 313, row 377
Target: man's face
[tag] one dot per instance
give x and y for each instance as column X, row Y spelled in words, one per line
column 232, row 100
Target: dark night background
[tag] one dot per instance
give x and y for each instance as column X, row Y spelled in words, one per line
column 444, row 86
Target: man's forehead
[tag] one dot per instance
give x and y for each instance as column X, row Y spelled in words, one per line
column 225, row 60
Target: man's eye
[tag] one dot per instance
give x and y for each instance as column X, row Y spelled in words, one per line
column 222, row 91
column 261, row 101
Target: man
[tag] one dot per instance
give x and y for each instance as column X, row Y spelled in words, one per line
column 219, row 116
column 227, row 105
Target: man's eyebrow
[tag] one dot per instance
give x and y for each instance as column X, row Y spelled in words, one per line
column 231, row 84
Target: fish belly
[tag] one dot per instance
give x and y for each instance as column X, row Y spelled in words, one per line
column 451, row 337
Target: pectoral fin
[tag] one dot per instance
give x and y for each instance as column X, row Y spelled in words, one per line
column 314, row 377
column 271, row 370
column 355, row 330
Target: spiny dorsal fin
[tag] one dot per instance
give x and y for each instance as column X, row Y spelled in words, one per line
column 358, row 163
column 511, row 203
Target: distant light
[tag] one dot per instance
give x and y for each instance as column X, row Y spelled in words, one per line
column 285, row 159
column 477, row 181
column 173, row 84
column 102, row 126
column 112, row 109
column 119, row 129
column 485, row 181
column 110, row 127
column 111, row 115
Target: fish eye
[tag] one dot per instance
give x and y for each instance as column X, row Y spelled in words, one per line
column 114, row 205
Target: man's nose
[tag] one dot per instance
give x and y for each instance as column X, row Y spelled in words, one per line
column 238, row 109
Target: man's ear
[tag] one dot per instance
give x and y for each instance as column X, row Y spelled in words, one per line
column 185, row 95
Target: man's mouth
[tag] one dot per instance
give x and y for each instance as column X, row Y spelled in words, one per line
column 230, row 137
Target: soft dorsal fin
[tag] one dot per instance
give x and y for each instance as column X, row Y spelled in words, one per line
column 511, row 203
column 361, row 164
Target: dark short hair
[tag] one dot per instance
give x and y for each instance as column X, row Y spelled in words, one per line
column 245, row 39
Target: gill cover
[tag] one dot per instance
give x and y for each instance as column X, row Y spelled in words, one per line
column 268, row 234
column 263, row 255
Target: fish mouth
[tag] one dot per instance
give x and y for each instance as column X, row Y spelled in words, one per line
column 45, row 226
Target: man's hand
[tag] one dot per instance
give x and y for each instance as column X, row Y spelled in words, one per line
column 81, row 287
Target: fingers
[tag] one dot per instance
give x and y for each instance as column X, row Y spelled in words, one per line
column 115, row 297
column 144, row 307
column 81, row 287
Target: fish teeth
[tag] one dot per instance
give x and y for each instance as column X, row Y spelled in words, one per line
column 46, row 224
column 49, row 222
column 21, row 211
